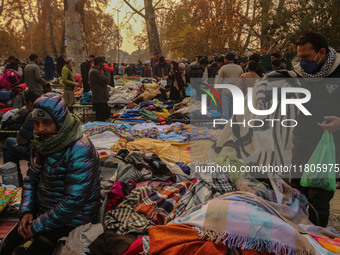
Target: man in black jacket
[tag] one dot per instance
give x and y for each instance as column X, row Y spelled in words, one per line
column 316, row 62
column 162, row 69
column 100, row 92
column 16, row 149
column 213, row 68
column 85, row 69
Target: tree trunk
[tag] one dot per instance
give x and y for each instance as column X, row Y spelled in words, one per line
column 265, row 25
column 74, row 31
column 151, row 27
column 43, row 26
column 62, row 44
column 51, row 28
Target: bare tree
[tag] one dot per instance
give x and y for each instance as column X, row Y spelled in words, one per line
column 148, row 14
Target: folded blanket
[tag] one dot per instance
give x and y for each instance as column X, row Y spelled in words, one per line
column 160, row 206
column 124, row 219
column 270, row 144
column 169, row 151
column 181, row 239
column 104, row 141
column 329, row 244
column 206, row 187
column 130, row 114
column 123, row 132
column 243, row 220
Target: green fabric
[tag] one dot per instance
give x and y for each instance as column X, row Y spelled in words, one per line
column 69, row 132
column 319, row 172
column 67, row 79
column 148, row 115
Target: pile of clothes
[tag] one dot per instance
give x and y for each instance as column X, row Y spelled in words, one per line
column 10, row 199
column 123, row 95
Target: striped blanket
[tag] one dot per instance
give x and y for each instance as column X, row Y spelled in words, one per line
column 243, row 220
column 160, row 206
column 270, row 144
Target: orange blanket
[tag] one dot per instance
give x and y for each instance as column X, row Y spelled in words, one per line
column 176, row 239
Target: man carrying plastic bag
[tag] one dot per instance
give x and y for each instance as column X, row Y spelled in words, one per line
column 316, row 64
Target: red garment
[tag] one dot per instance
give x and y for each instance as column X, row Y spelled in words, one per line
column 20, row 87
column 136, row 247
column 155, row 60
column 6, row 109
column 110, row 69
column 117, row 192
column 77, row 78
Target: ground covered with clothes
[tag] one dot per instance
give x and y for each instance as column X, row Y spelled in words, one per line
column 154, row 201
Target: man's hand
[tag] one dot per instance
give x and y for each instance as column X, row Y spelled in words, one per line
column 30, row 233
column 24, row 229
column 76, row 84
column 331, row 123
column 159, row 78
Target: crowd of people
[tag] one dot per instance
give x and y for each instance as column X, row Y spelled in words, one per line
column 173, row 75
column 64, row 166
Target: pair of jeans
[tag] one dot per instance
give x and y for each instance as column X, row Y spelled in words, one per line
column 14, row 153
column 227, row 106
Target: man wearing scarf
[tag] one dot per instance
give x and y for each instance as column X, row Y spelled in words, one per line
column 316, row 63
column 62, row 188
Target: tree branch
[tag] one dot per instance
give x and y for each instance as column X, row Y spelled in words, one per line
column 247, row 19
column 157, row 4
column 134, row 9
column 165, row 8
column 1, row 7
column 22, row 16
column 131, row 17
column 31, row 12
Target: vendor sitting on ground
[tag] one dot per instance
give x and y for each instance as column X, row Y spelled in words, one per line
column 62, row 188
column 16, row 149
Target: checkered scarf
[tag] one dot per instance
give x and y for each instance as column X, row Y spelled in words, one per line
column 325, row 69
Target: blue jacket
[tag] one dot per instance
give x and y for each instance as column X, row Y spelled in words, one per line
column 67, row 190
